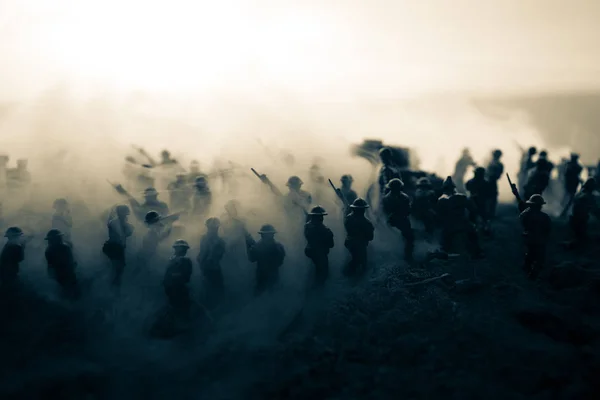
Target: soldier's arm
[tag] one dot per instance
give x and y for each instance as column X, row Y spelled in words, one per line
column 48, row 258
column 331, row 242
column 187, row 270
column 370, row 231
column 282, row 252
column 219, row 251
column 251, row 249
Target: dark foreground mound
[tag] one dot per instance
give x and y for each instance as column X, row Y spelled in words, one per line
column 398, row 335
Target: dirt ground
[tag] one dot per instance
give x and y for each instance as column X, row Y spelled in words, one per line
column 388, row 337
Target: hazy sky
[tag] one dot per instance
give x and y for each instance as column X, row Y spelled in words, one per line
column 342, row 47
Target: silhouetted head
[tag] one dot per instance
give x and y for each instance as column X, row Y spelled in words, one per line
column 165, row 155
column 150, row 194
column 232, row 207
column 151, row 218
column 54, row 236
column 497, row 154
column 180, row 247
column 359, row 206
column 424, row 183
column 536, row 201
column 14, row 232
column 194, row 167
column 294, row 183
column 122, row 211
column 574, row 157
column 395, row 185
column 347, row 180
column 267, row 232
column 448, row 186
column 61, row 204
column 543, row 154
column 532, row 151
column 479, row 172
column 22, row 164
column 317, row 213
column 213, row 224
column 201, row 182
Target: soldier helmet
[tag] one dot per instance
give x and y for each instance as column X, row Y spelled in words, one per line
column 60, row 203
column 543, row 154
column 423, row 182
column 233, row 203
column 151, row 217
column 497, row 153
column 347, row 178
column 53, row 234
column 479, row 171
column 532, row 150
column 200, row 179
column 294, row 181
column 181, row 243
column 537, row 200
column 165, row 153
column 317, row 210
column 395, row 184
column 574, row 156
column 385, row 152
column 448, row 184
column 590, row 183
column 359, row 203
column 267, row 229
column 123, row 210
column 150, row 192
column 213, row 223
column 13, row 231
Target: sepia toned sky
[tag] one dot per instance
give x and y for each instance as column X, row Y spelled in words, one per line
column 375, row 48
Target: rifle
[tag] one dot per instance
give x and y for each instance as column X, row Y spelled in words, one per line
column 263, row 178
column 145, row 154
column 339, row 194
column 514, row 189
column 274, row 189
column 121, row 190
column 171, row 217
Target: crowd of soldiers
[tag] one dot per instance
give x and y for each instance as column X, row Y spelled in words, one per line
column 459, row 211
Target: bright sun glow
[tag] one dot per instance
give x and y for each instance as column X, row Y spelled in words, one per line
column 187, row 45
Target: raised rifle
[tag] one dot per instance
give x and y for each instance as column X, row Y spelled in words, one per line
column 514, row 189
column 263, row 178
column 339, row 194
column 121, row 190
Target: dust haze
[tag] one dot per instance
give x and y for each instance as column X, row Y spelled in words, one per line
column 76, row 128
